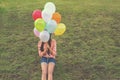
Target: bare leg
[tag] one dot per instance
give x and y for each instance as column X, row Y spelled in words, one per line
column 44, row 70
column 51, row 66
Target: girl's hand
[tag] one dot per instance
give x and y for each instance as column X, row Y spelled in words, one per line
column 48, row 46
column 45, row 47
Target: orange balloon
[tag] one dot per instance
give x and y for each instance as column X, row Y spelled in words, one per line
column 57, row 17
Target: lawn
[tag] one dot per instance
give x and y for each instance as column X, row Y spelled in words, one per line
column 88, row 50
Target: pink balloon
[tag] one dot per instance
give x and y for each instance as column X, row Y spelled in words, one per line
column 36, row 14
column 36, row 32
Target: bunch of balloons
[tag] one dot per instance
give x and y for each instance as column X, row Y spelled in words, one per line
column 47, row 21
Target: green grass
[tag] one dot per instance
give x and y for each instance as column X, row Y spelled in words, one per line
column 89, row 49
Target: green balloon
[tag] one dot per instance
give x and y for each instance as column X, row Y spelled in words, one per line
column 39, row 24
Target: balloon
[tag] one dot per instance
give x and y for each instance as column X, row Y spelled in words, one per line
column 57, row 17
column 36, row 32
column 51, row 26
column 46, row 16
column 44, row 36
column 39, row 24
column 50, row 7
column 60, row 29
column 36, row 14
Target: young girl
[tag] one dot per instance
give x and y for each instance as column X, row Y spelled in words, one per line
column 47, row 52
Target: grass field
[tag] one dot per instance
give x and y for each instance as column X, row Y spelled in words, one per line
column 88, row 50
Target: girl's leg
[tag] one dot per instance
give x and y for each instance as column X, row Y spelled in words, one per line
column 51, row 66
column 44, row 70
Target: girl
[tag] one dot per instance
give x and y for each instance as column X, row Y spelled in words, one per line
column 47, row 52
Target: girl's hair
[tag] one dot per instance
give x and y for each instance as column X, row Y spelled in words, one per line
column 42, row 45
column 49, row 43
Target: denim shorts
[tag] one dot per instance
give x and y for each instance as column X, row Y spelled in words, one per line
column 47, row 60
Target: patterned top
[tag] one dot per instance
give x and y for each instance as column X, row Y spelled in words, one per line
column 53, row 47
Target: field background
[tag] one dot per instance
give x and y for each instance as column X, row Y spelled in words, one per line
column 88, row 50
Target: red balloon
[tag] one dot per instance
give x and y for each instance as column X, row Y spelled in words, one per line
column 36, row 14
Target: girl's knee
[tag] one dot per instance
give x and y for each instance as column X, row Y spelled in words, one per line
column 44, row 72
column 50, row 72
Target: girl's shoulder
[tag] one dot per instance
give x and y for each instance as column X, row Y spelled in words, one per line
column 53, row 40
column 39, row 42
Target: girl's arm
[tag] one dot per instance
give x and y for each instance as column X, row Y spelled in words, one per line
column 53, row 50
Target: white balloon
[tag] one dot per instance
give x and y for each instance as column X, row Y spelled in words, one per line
column 46, row 16
column 44, row 36
column 50, row 7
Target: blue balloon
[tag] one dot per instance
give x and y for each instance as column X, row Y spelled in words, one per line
column 51, row 26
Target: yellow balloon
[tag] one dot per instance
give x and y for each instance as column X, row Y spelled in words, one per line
column 61, row 28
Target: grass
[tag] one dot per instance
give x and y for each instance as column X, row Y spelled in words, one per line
column 89, row 49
